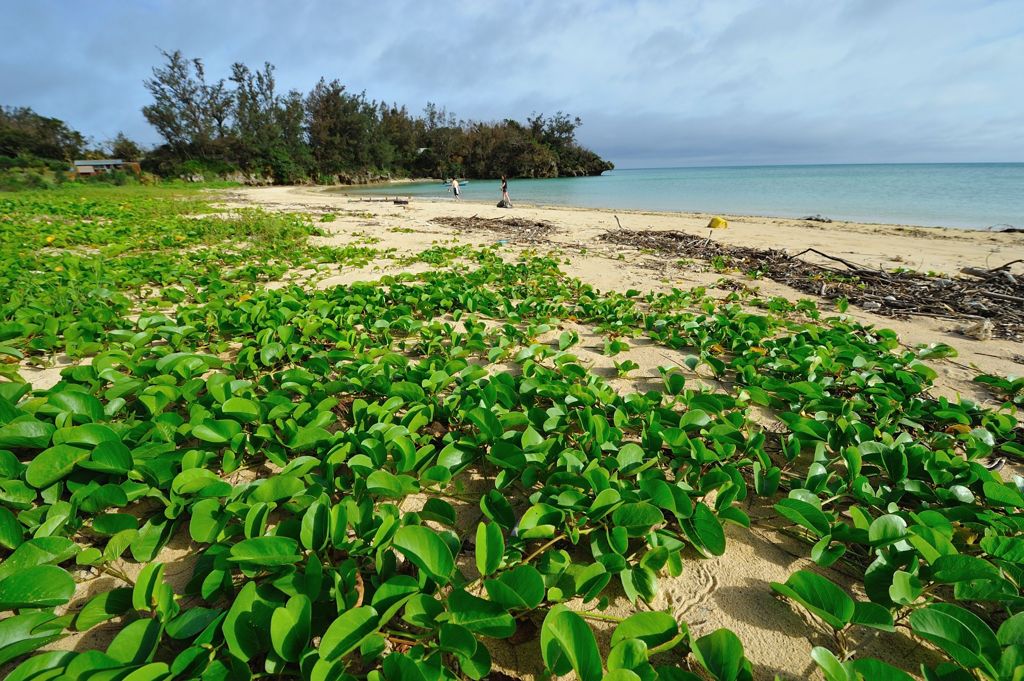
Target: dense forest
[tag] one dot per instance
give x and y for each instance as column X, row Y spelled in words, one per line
column 243, row 124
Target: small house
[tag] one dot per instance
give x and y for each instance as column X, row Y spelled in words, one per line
column 91, row 167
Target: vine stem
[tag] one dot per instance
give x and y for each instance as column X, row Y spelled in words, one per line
column 551, row 543
column 599, row 616
column 547, row 545
column 667, row 645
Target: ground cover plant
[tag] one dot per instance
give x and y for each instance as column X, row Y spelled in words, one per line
column 386, row 480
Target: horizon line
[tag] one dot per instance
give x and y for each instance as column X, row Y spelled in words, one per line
column 829, row 163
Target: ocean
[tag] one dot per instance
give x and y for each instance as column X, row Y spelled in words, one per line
column 964, row 195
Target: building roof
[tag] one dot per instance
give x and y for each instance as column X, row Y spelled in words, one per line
column 101, row 162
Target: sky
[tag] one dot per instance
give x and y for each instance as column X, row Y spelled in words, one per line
column 671, row 83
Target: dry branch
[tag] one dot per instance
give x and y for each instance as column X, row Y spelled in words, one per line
column 990, row 294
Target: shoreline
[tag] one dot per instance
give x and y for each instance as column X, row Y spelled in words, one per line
column 375, row 197
column 730, row 216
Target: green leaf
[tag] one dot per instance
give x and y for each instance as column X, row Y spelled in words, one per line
column 348, row 631
column 393, row 594
column 487, row 423
column 629, row 457
column 497, row 508
column 871, row 669
column 53, row 464
column 137, row 642
column 103, row 607
column 1011, row 632
column 191, row 622
column 27, row 433
column 637, row 517
column 887, row 529
column 480, row 616
column 147, row 585
column 705, row 530
column 11, row 531
column 109, row 457
column 245, row 625
column 490, row 548
column 628, row 654
column 21, row 634
column 426, row 550
column 242, row 409
column 906, row 588
column 805, row 515
column 385, row 484
column 290, row 627
column 831, row 668
column 78, row 403
column 410, row 392
column 653, row 628
column 216, row 431
column 567, row 643
column 962, row 634
column 454, row 638
column 999, row 494
column 39, row 586
column 266, row 551
column 277, row 488
column 199, row 481
column 820, row 596
column 521, row 587
column 721, row 653
column 872, row 615
column 37, row 551
column 766, row 481
column 962, row 568
column 315, row 525
column 1007, row 548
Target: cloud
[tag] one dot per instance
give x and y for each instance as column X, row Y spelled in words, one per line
column 656, row 83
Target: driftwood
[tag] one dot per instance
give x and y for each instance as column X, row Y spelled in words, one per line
column 511, row 229
column 996, row 294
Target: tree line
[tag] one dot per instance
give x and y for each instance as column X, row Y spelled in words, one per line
column 329, row 134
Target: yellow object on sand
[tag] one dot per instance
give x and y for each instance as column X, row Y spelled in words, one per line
column 718, row 223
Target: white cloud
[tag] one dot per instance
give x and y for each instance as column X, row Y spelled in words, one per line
column 661, row 83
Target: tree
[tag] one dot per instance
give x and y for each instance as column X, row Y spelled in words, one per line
column 24, row 132
column 256, row 130
column 401, row 132
column 189, row 113
column 124, row 148
column 331, row 132
column 344, row 133
column 292, row 160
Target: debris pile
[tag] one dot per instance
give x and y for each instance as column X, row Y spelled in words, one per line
column 996, row 295
column 512, row 229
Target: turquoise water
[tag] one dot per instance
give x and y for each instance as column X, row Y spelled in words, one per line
column 966, row 195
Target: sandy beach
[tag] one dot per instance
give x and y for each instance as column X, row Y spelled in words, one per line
column 732, row 590
column 945, row 251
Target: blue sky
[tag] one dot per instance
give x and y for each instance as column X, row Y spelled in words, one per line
column 657, row 83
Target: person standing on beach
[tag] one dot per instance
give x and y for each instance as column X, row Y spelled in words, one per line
column 455, row 189
column 504, row 193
